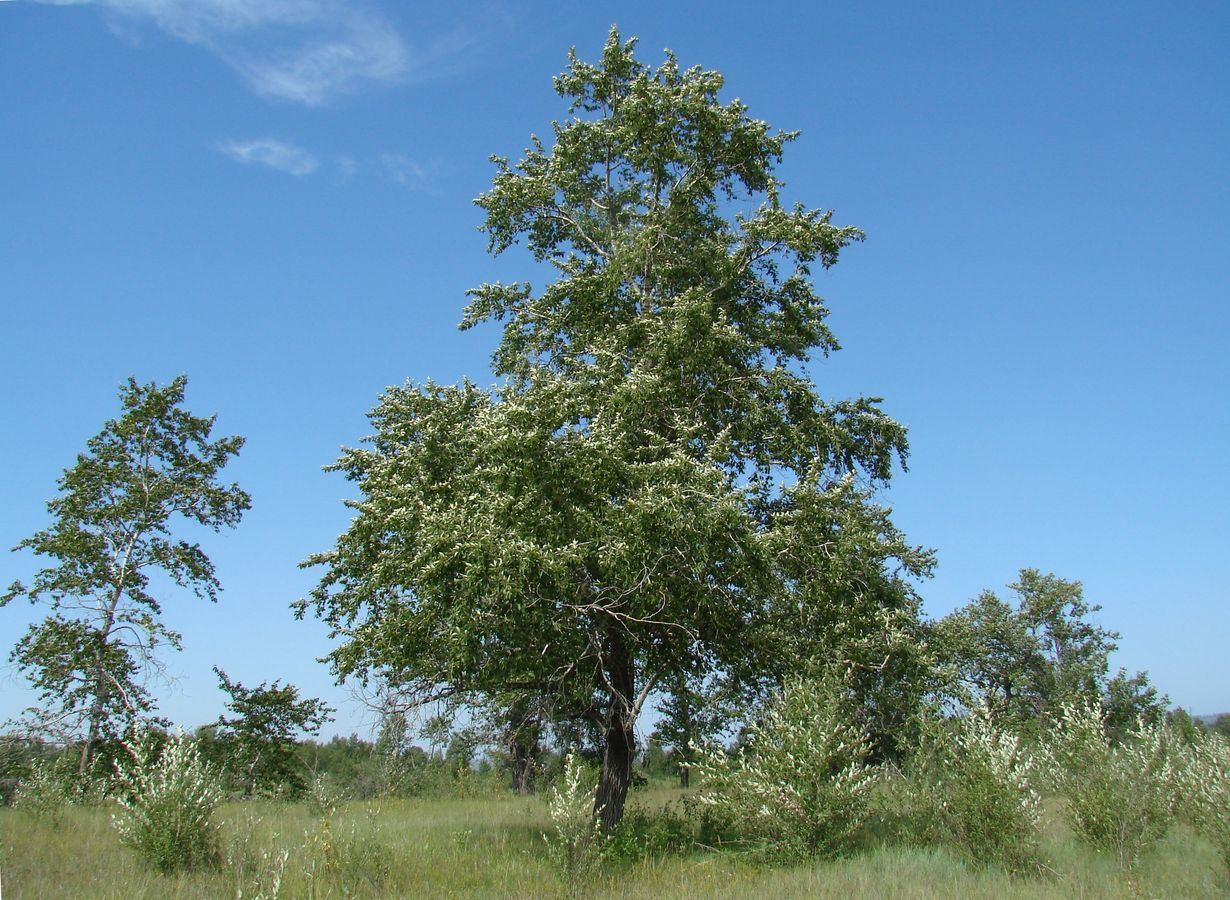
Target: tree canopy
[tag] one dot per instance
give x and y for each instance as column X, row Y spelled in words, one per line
column 655, row 487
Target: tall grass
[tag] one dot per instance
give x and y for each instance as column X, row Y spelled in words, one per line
column 494, row 848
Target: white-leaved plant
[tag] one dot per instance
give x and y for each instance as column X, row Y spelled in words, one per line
column 1121, row 795
column 974, row 782
column 579, row 842
column 1206, row 787
column 44, row 793
column 167, row 796
column 801, row 784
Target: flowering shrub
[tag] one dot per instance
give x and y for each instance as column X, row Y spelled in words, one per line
column 168, row 798
column 44, row 793
column 579, row 843
column 973, row 782
column 1121, row 796
column 1205, row 785
column 801, row 784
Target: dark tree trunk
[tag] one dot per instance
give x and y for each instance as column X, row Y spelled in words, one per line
column 616, row 771
column 620, row 738
column 684, row 774
column 522, row 772
column 523, row 734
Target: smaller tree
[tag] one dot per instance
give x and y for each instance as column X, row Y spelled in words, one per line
column 149, row 470
column 692, row 714
column 167, row 795
column 263, row 731
column 972, row 782
column 1128, row 700
column 1025, row 661
column 516, row 723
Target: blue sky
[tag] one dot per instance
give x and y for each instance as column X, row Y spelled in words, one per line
column 275, row 197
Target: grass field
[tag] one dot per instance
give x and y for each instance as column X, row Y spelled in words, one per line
column 495, row 848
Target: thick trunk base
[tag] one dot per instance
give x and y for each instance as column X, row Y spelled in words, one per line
column 616, row 775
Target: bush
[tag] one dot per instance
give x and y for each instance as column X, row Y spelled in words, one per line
column 800, row 786
column 168, row 799
column 1121, row 796
column 578, row 846
column 44, row 792
column 645, row 835
column 971, row 786
column 1206, row 787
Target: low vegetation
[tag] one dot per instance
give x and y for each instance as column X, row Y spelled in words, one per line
column 798, row 808
column 972, row 785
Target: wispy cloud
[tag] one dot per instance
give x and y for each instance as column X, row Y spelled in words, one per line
column 347, row 167
column 303, row 51
column 272, row 153
column 408, row 172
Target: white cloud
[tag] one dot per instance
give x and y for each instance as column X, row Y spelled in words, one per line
column 347, row 167
column 407, row 172
column 272, row 153
column 303, row 51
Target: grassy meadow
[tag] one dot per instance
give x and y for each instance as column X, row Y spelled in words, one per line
column 494, row 847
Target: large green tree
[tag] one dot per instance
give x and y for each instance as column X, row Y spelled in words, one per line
column 149, row 471
column 634, row 497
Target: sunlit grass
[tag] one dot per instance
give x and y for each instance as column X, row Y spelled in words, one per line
column 495, row 848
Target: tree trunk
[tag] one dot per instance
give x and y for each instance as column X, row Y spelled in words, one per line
column 616, row 771
column 522, row 772
column 620, row 738
column 98, row 708
column 523, row 733
column 684, row 774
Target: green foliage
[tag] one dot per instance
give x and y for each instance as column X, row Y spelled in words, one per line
column 144, row 473
column 1121, row 795
column 1129, row 700
column 800, row 785
column 168, row 796
column 670, row 831
column 494, row 848
column 649, row 480
column 262, row 732
column 971, row 781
